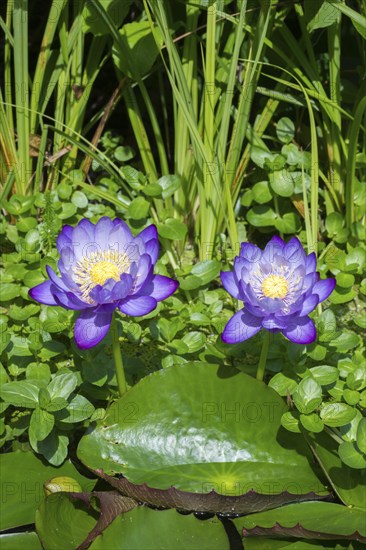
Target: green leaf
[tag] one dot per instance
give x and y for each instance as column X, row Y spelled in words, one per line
column 308, row 395
column 324, row 374
column 348, row 484
column 14, row 541
column 288, row 223
column 361, row 435
column 207, row 271
column 291, row 422
column 23, row 476
column 43, row 398
column 172, row 229
column 351, row 455
column 9, row 291
column 163, row 530
column 62, row 385
column 123, row 153
column 139, row 50
column 312, row 422
column 345, row 341
column 138, row 208
column 320, row 15
column 57, row 404
column 261, row 192
column 21, row 394
column 192, row 398
column 41, row 424
column 92, row 22
column 79, row 199
column 345, row 280
column 261, row 216
column 77, row 410
column 334, row 222
column 324, row 519
column 285, row 130
column 169, row 184
column 337, row 414
column 356, row 380
column 53, row 448
column 194, row 341
column 282, row 384
column 62, row 524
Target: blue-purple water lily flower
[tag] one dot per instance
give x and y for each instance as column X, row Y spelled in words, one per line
column 279, row 287
column 104, row 267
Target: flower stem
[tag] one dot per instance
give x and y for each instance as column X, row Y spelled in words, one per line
column 263, row 357
column 117, row 356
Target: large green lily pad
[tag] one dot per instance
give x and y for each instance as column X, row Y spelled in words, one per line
column 202, row 437
column 23, row 476
column 307, row 520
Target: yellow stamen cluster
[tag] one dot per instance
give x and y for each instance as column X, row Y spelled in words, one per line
column 97, row 268
column 275, row 286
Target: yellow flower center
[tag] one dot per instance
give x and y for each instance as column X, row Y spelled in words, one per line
column 102, row 271
column 97, row 267
column 275, row 286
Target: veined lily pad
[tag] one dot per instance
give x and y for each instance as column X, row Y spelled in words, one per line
column 201, row 437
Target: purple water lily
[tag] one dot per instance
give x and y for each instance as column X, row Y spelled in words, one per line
column 279, row 287
column 104, row 267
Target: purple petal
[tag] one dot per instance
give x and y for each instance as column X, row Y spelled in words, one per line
column 123, row 287
column 83, row 246
column 144, row 272
column 240, row 327
column 273, row 324
column 324, row 288
column 68, row 300
column 310, row 263
column 64, row 238
column 294, row 252
column 149, row 233
column 300, row 330
column 120, row 237
column 152, row 248
column 273, row 248
column 160, row 287
column 229, row 282
column 56, row 280
column 250, row 252
column 138, row 306
column 102, row 232
column 309, row 304
column 92, row 326
column 42, row 293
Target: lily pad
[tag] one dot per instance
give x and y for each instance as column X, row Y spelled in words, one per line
column 198, row 440
column 307, row 520
column 23, row 475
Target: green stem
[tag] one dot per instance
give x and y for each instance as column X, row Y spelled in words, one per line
column 263, row 358
column 117, row 356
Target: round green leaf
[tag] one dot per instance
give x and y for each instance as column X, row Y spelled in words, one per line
column 351, row 455
column 41, row 424
column 123, row 153
column 351, row 397
column 345, row 280
column 79, row 199
column 200, row 434
column 356, row 380
column 169, row 184
column 290, row 422
column 261, row 216
column 361, row 435
column 138, row 208
column 324, row 374
column 282, row 384
column 9, row 291
column 261, row 192
column 337, row 414
column 289, row 223
column 282, row 183
column 285, row 130
column 312, row 422
column 172, row 229
column 308, row 395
